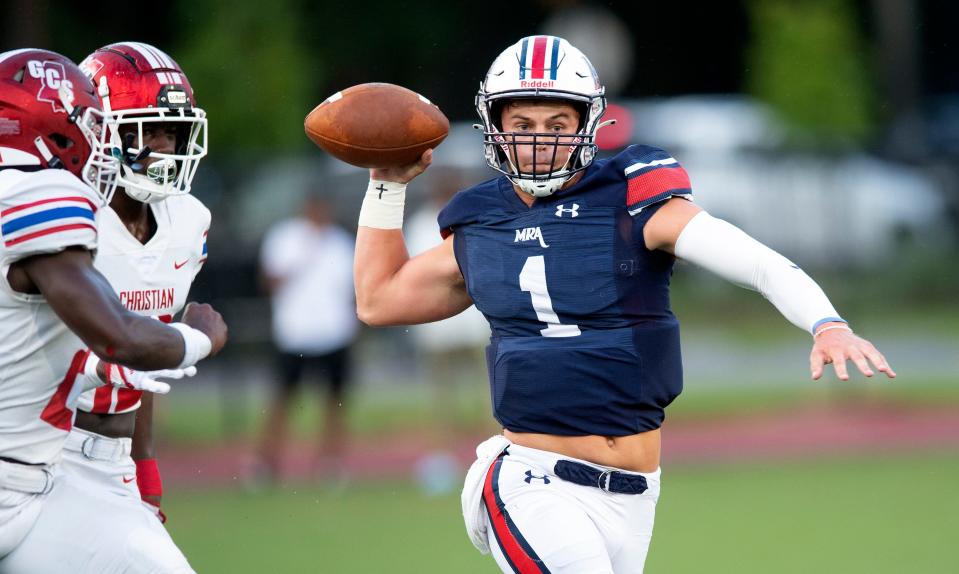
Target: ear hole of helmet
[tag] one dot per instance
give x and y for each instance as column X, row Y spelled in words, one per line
column 18, row 77
column 62, row 141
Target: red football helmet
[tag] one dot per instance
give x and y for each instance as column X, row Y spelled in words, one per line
column 139, row 84
column 50, row 117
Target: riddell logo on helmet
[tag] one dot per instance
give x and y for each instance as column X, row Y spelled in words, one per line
column 536, row 83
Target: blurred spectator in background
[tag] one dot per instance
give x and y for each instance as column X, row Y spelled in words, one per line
column 451, row 351
column 307, row 263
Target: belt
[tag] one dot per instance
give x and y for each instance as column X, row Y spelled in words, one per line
column 97, row 447
column 26, row 478
column 608, row 480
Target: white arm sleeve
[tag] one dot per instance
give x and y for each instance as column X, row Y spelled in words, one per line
column 726, row 250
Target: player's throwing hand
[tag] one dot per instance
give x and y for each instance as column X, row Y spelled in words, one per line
column 405, row 173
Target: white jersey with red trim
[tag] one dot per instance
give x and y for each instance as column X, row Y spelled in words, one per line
column 151, row 279
column 41, row 212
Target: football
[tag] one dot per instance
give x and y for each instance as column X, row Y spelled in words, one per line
column 376, row 125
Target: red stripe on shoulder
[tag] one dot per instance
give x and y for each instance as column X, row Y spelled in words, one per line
column 655, row 182
column 43, row 232
column 77, row 199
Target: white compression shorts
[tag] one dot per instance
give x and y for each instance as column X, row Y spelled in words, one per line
column 726, row 250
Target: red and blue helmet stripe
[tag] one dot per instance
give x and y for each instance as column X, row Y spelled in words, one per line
column 539, row 58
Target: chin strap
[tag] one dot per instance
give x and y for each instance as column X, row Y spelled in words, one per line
column 53, row 161
column 103, row 90
column 129, row 159
column 541, row 188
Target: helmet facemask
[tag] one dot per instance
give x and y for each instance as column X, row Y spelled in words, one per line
column 100, row 170
column 151, row 176
column 141, row 88
column 501, row 146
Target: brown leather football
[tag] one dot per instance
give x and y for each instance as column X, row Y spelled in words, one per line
column 376, row 125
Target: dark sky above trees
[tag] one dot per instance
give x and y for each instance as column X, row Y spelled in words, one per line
column 276, row 59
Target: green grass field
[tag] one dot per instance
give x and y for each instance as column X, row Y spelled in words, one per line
column 378, row 412
column 845, row 516
column 824, row 516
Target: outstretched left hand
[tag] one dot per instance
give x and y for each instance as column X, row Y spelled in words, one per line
column 97, row 373
column 836, row 346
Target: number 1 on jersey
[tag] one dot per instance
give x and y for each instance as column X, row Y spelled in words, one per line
column 533, row 280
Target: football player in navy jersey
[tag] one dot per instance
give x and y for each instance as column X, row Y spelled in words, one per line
column 569, row 258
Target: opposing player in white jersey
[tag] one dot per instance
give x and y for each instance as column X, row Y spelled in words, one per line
column 152, row 245
column 55, row 307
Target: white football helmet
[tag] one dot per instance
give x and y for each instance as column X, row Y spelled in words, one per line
column 541, row 67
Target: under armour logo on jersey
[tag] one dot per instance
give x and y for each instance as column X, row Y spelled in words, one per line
column 529, row 234
column 529, row 478
column 573, row 211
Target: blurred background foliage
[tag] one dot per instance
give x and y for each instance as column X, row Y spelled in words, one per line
column 819, row 63
column 810, row 61
column 253, row 67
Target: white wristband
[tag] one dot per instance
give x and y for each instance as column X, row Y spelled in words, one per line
column 91, row 379
column 383, row 205
column 196, row 345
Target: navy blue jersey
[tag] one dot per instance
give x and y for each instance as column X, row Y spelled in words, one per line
column 583, row 338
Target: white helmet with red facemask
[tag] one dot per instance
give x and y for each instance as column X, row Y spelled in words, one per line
column 50, row 118
column 142, row 88
column 541, row 68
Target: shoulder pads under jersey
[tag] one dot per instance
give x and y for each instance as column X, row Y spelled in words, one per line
column 46, row 212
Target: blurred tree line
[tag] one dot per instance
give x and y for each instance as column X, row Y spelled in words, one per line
column 260, row 67
column 810, row 61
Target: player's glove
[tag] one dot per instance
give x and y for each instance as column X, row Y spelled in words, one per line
column 96, row 375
